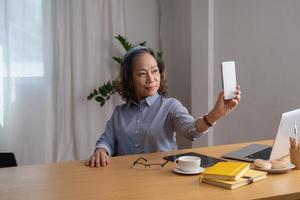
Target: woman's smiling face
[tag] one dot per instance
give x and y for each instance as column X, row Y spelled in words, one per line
column 145, row 76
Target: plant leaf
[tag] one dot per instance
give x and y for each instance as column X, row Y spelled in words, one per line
column 99, row 99
column 118, row 60
column 143, row 43
column 114, row 84
column 95, row 92
column 109, row 85
column 159, row 55
column 101, row 91
column 105, row 89
column 102, row 103
column 124, row 42
column 90, row 96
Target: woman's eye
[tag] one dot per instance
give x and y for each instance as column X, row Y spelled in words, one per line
column 155, row 71
column 141, row 74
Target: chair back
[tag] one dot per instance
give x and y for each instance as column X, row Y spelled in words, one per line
column 7, row 159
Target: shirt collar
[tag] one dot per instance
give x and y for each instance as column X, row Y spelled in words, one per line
column 148, row 100
column 151, row 99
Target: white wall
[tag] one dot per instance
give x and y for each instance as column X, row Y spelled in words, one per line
column 176, row 45
column 142, row 22
column 262, row 36
column 200, row 54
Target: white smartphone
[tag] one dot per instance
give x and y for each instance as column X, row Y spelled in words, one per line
column 229, row 79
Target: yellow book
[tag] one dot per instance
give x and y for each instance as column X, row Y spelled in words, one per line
column 228, row 171
column 249, row 177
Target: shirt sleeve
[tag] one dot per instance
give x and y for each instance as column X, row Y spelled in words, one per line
column 184, row 123
column 106, row 140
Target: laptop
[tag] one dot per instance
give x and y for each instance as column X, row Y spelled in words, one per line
column 281, row 143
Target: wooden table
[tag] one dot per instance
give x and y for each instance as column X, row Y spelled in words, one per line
column 73, row 180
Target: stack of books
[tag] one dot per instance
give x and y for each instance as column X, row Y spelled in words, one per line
column 231, row 175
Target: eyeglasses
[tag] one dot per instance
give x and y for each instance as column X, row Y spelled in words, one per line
column 143, row 162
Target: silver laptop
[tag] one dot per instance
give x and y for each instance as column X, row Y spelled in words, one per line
column 281, row 143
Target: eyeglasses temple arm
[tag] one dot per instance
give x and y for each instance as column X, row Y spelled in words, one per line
column 140, row 158
column 162, row 165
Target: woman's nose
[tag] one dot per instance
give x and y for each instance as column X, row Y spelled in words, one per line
column 150, row 78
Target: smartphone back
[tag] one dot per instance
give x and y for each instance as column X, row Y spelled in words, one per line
column 229, row 79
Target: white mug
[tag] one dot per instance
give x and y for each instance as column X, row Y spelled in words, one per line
column 188, row 163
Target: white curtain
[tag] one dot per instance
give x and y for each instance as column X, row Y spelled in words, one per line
column 53, row 54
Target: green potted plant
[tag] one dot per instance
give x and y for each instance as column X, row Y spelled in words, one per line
column 103, row 93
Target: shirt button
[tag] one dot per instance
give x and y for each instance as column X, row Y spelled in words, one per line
column 138, row 121
column 136, row 131
column 136, row 145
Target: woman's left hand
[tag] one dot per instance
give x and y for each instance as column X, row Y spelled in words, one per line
column 224, row 107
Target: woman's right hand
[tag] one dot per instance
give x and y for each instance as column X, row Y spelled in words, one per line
column 99, row 158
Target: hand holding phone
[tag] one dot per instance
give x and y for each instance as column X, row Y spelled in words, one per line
column 229, row 79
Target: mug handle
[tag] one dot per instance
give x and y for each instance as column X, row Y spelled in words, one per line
column 176, row 161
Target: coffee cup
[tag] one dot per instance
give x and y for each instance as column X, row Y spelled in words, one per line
column 188, row 163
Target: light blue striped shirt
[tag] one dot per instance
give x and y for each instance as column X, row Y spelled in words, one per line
column 147, row 126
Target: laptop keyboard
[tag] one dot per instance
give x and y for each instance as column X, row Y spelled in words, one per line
column 263, row 154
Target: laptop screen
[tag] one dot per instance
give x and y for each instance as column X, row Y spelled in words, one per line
column 285, row 130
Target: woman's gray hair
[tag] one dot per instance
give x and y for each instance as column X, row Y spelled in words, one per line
column 132, row 51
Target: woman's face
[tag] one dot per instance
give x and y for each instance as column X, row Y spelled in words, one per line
column 146, row 76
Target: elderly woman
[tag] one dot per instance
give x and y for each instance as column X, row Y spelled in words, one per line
column 148, row 121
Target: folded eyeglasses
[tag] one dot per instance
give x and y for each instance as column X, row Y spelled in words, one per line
column 143, row 162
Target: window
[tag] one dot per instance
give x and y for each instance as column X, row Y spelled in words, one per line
column 21, row 45
column 21, row 38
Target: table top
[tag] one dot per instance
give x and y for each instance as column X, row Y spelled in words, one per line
column 73, row 180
